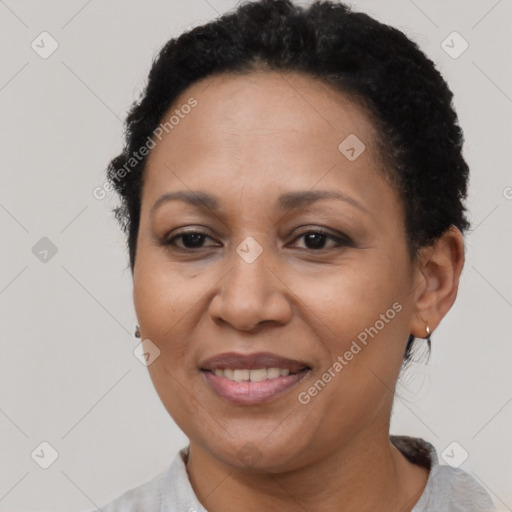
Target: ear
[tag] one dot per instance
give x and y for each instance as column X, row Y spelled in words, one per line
column 437, row 273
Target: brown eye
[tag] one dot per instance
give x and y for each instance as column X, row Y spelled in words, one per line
column 190, row 240
column 316, row 239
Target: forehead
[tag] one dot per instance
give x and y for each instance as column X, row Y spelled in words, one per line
column 261, row 128
column 265, row 103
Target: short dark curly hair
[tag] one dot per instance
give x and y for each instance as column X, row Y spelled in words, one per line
column 420, row 140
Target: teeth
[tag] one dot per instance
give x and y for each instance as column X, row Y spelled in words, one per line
column 257, row 375
column 240, row 375
column 272, row 373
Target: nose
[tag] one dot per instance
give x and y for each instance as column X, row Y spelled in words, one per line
column 251, row 293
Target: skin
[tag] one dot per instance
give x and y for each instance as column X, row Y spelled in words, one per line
column 250, row 139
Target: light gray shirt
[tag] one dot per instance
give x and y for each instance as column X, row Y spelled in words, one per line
column 448, row 489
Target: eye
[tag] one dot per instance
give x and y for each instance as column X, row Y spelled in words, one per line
column 190, row 239
column 315, row 239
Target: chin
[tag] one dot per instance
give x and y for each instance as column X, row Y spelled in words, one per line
column 258, row 453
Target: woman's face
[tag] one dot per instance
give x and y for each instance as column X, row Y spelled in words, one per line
column 281, row 157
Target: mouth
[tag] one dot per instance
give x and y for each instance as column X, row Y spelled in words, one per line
column 254, row 378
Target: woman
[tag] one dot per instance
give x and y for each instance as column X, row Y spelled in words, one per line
column 293, row 194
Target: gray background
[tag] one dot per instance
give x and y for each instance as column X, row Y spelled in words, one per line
column 67, row 372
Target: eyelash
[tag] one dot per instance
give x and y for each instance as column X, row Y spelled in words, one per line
column 341, row 240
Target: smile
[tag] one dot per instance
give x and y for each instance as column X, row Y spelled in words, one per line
column 252, row 379
column 251, row 375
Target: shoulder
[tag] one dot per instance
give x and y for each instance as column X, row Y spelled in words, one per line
column 458, row 491
column 170, row 490
column 448, row 489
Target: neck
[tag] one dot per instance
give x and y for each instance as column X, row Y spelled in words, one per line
column 369, row 474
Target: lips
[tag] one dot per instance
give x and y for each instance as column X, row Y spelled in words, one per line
column 254, row 378
column 235, row 361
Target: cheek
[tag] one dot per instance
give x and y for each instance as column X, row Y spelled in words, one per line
column 162, row 295
column 350, row 298
column 164, row 302
column 170, row 301
column 359, row 316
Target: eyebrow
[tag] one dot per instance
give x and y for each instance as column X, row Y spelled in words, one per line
column 287, row 201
